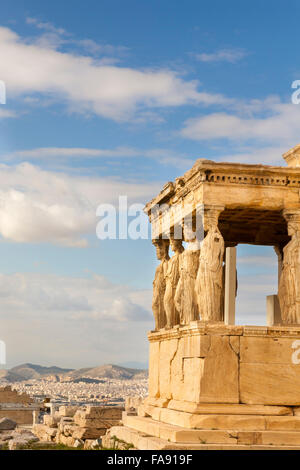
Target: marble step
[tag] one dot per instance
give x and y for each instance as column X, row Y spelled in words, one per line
column 122, row 436
column 221, row 421
column 178, row 434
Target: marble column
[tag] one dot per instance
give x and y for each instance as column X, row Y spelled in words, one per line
column 230, row 285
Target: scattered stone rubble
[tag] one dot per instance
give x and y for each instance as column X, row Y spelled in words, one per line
column 109, row 440
column 14, row 438
column 77, row 426
column 7, row 424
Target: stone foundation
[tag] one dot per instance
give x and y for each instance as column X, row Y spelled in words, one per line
column 218, row 386
column 217, row 363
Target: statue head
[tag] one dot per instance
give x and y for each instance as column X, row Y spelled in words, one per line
column 293, row 223
column 162, row 248
column 210, row 220
column 293, row 228
column 176, row 245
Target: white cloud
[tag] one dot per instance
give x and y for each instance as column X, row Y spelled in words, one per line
column 54, row 37
column 6, row 113
column 86, row 85
column 43, row 206
column 75, row 298
column 266, row 123
column 266, row 155
column 57, row 154
column 45, row 25
column 72, row 321
column 223, row 55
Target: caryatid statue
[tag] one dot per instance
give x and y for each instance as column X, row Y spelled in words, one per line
column 172, row 278
column 185, row 296
column 209, row 281
column 159, row 283
column 289, row 282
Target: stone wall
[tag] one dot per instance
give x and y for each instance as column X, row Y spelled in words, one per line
column 7, row 395
column 20, row 416
column 18, row 407
column 216, row 363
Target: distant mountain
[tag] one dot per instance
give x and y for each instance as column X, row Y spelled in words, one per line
column 9, row 376
column 35, row 371
column 108, row 371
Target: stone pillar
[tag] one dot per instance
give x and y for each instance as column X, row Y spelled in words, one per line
column 289, row 284
column 279, row 254
column 210, row 277
column 230, row 286
column 52, row 408
column 35, row 417
column 273, row 310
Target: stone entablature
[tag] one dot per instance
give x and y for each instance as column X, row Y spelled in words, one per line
column 207, row 328
column 251, row 193
column 205, row 172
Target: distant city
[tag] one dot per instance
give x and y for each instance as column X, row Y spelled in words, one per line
column 104, row 385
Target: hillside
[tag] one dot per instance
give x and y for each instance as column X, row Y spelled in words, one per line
column 34, row 371
column 109, row 371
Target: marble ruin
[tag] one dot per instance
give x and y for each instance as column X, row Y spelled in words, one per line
column 214, row 384
column 76, row 426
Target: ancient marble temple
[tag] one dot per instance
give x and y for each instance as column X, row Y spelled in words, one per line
column 214, row 384
column 237, row 203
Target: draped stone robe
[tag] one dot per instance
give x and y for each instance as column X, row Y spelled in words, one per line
column 159, row 288
column 185, row 296
column 289, row 283
column 209, row 282
column 172, row 278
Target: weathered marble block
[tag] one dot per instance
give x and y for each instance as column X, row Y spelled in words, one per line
column 203, row 363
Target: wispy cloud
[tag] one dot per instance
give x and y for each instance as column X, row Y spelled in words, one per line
column 45, row 25
column 266, row 123
column 54, row 37
column 222, row 55
column 87, row 86
column 7, row 113
column 57, row 154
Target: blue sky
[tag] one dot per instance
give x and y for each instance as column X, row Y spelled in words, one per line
column 109, row 98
